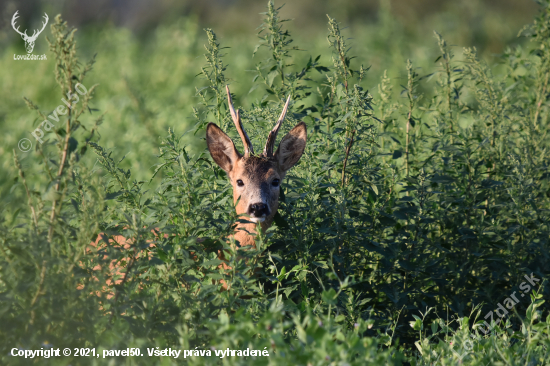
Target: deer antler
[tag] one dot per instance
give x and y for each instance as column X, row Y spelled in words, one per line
column 34, row 34
column 270, row 143
column 24, row 34
column 248, row 149
column 15, row 16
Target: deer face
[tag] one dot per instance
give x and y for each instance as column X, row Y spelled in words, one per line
column 257, row 182
column 29, row 43
column 256, row 179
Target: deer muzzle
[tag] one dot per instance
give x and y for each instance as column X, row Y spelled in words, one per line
column 258, row 212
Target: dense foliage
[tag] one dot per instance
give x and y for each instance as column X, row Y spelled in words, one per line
column 405, row 223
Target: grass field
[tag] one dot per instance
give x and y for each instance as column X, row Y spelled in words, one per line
column 414, row 230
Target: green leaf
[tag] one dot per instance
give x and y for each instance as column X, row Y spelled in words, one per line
column 281, row 275
column 329, row 296
column 374, row 188
column 271, row 76
column 417, row 344
column 111, row 195
column 163, row 256
column 434, row 327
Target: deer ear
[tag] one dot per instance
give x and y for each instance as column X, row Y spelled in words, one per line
column 221, row 148
column 292, row 147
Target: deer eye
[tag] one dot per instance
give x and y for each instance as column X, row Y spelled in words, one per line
column 240, row 183
column 275, row 183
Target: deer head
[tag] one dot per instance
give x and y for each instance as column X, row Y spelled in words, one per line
column 256, row 179
column 29, row 41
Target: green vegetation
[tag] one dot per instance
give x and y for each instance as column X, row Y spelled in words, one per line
column 419, row 206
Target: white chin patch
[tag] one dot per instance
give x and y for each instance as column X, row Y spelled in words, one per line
column 257, row 219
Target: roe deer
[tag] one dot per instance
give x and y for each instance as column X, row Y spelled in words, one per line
column 256, row 179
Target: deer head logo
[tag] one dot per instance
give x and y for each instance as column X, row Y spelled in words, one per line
column 29, row 41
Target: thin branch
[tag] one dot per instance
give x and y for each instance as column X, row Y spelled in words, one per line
column 64, row 155
column 122, row 284
column 38, row 290
column 29, row 198
column 542, row 96
column 407, row 144
column 348, row 149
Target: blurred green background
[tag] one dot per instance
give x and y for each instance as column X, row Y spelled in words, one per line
column 149, row 53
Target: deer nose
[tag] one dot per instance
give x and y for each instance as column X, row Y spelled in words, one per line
column 258, row 210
